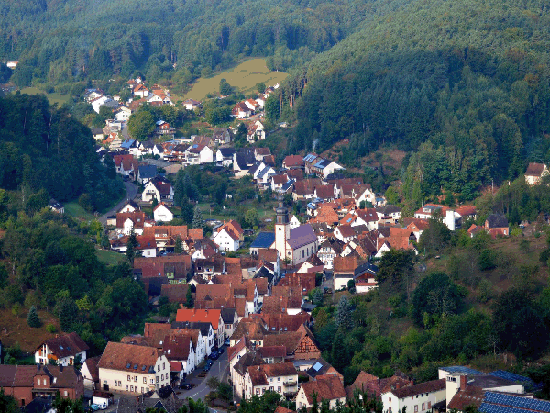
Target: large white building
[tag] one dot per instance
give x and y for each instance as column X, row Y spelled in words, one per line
column 129, row 368
column 295, row 245
column 418, row 398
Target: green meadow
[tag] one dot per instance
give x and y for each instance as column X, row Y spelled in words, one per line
column 52, row 97
column 244, row 77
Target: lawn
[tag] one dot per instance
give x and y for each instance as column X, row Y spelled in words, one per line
column 76, row 211
column 244, row 77
column 109, row 257
column 52, row 97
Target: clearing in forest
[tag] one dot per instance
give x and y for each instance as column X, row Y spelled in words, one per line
column 244, row 77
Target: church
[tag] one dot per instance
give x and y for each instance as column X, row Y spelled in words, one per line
column 295, row 245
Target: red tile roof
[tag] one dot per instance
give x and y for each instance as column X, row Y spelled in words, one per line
column 326, row 387
column 211, row 316
column 535, row 169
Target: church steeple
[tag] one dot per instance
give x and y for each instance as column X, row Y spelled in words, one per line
column 282, row 232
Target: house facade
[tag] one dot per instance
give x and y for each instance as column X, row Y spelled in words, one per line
column 129, row 368
column 417, row 399
column 63, row 349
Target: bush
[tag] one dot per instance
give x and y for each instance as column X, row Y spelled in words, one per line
column 32, row 318
column 51, row 328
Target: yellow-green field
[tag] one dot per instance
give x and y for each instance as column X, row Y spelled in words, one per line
column 52, row 97
column 244, row 77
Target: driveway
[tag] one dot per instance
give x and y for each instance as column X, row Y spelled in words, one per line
column 131, row 192
column 201, row 389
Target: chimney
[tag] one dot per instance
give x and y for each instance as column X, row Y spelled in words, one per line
column 463, row 381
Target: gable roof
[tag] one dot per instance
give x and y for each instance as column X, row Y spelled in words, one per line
column 301, row 236
column 211, row 316
column 427, row 387
column 128, row 357
column 535, row 169
column 66, row 345
column 293, row 161
column 326, row 387
column 497, row 221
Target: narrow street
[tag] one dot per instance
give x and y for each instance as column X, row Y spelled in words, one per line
column 131, row 192
column 201, row 389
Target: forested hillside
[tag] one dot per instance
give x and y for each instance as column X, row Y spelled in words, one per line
column 46, row 153
column 76, row 39
column 472, row 78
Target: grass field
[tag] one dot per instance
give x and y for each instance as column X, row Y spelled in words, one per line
column 17, row 330
column 244, row 77
column 52, row 97
column 76, row 211
column 109, row 257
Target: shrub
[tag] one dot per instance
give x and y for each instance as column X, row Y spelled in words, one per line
column 51, row 328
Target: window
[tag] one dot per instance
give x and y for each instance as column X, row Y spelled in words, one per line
column 429, row 405
column 45, row 382
column 135, row 378
column 145, row 380
column 278, row 379
column 142, row 390
column 271, row 388
column 423, row 406
column 157, row 379
column 164, row 366
column 416, row 407
column 258, row 391
column 128, row 378
column 65, row 393
column 126, row 387
column 279, row 389
column 152, row 381
column 131, row 388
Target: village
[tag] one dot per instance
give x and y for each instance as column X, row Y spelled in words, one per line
column 245, row 319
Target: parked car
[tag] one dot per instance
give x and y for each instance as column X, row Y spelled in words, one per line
column 227, row 342
column 206, row 367
column 94, row 407
column 214, row 355
column 186, row 386
column 221, row 350
column 210, row 362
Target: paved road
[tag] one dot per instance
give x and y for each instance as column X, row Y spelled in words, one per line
column 131, row 192
column 218, row 370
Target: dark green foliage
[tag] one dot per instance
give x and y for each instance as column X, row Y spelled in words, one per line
column 189, row 298
column 486, row 260
column 131, row 245
column 519, row 324
column 8, row 404
column 435, row 296
column 32, row 318
column 141, row 125
column 475, row 104
column 225, row 88
column 198, row 221
column 435, row 238
column 50, row 154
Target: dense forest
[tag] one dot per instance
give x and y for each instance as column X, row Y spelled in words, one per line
column 79, row 40
column 469, row 80
column 45, row 153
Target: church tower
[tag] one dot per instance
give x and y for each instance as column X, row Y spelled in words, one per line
column 282, row 232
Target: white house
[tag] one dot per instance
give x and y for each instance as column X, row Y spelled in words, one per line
column 229, row 236
column 98, row 102
column 133, row 369
column 331, row 168
column 161, row 213
column 63, row 349
column 418, row 398
column 123, row 114
column 199, row 154
column 325, row 387
column 179, row 351
column 281, row 378
column 158, row 188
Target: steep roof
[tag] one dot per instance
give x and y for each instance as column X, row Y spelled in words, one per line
column 127, row 357
column 427, row 387
column 497, row 221
column 535, row 169
column 301, row 236
column 91, row 364
column 471, row 396
column 346, row 265
column 176, row 293
column 211, row 316
column 293, row 161
column 66, row 345
column 326, row 387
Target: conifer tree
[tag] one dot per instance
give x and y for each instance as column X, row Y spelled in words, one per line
column 197, row 218
column 32, row 318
